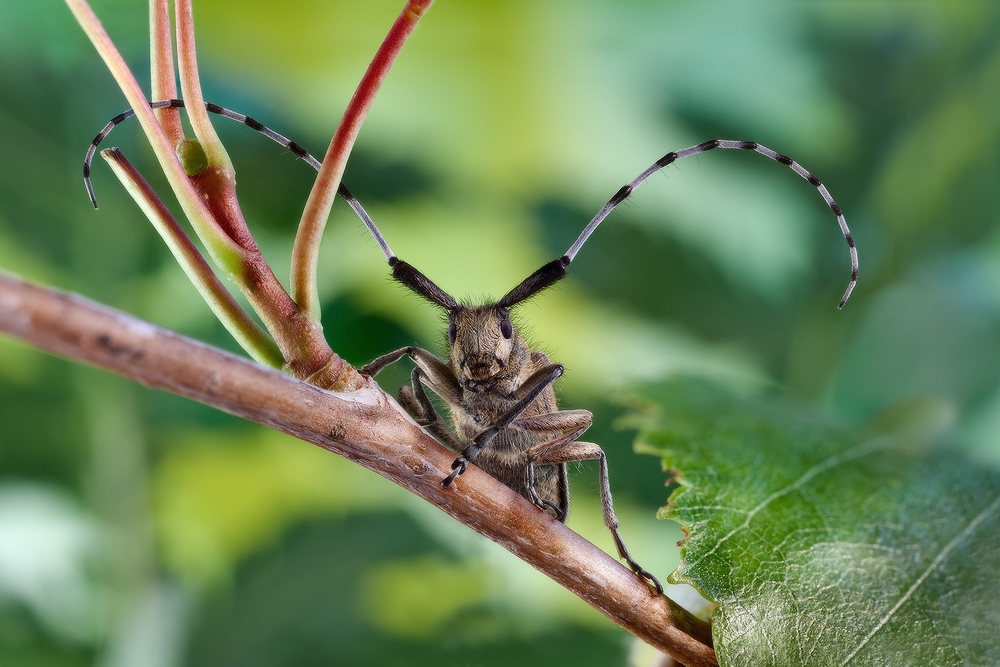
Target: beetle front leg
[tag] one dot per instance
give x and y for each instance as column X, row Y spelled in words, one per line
column 527, row 394
column 415, row 401
column 436, row 374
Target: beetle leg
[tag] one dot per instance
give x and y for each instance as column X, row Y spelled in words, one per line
column 415, row 401
column 544, row 505
column 431, row 371
column 527, row 394
column 561, row 451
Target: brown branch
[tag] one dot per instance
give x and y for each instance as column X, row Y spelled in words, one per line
column 365, row 426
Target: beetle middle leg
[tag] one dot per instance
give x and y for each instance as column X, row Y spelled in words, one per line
column 566, row 425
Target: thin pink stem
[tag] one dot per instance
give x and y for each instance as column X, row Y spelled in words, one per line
column 163, row 83
column 305, row 253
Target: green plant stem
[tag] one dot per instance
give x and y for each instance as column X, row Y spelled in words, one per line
column 225, row 253
column 187, row 62
column 305, row 253
column 237, row 321
column 299, row 336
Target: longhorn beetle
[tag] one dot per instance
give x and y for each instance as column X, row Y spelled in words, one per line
column 499, row 392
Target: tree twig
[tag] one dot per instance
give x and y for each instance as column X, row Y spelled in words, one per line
column 365, row 426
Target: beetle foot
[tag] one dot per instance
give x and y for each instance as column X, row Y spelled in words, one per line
column 458, row 467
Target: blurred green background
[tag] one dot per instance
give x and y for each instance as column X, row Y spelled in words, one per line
column 139, row 529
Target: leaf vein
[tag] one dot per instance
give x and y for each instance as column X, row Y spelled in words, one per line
column 859, row 450
column 982, row 516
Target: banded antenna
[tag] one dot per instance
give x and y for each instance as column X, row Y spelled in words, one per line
column 555, row 270
column 549, row 273
column 253, row 124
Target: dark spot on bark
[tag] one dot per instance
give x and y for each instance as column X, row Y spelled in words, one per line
column 105, row 342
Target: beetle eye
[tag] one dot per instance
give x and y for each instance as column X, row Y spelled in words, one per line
column 506, row 329
column 452, row 332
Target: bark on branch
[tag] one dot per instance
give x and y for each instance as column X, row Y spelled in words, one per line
column 365, row 426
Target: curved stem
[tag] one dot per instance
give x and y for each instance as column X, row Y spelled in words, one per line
column 305, row 252
column 187, row 61
column 209, row 201
column 225, row 253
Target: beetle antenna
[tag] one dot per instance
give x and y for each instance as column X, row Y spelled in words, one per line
column 672, row 157
column 547, row 275
column 408, row 275
column 253, row 124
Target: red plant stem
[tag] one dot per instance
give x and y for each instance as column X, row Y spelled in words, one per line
column 305, row 253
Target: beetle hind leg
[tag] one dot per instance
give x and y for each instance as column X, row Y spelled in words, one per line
column 545, row 505
column 560, row 451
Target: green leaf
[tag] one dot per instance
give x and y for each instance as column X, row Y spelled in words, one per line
column 823, row 547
